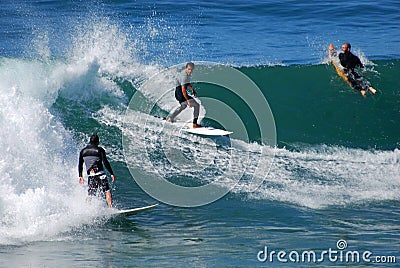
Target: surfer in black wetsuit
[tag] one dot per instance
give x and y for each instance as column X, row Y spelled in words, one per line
column 94, row 157
column 183, row 97
column 350, row 61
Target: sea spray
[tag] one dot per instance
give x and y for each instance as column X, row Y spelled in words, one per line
column 38, row 166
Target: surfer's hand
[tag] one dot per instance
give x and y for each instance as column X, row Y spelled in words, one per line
column 112, row 178
column 81, row 181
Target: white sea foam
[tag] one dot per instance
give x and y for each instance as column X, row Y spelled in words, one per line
column 313, row 176
column 322, row 176
column 38, row 161
column 41, row 198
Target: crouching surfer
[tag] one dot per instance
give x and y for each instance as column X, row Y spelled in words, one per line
column 184, row 98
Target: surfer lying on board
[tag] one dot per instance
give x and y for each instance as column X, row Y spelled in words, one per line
column 94, row 157
column 183, row 97
column 350, row 61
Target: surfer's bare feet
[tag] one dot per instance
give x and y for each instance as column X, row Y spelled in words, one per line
column 363, row 92
column 196, row 126
column 169, row 120
column 373, row 90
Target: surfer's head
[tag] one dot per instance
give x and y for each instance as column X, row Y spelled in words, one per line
column 346, row 47
column 94, row 139
column 189, row 68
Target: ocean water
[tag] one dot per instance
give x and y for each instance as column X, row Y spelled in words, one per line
column 312, row 166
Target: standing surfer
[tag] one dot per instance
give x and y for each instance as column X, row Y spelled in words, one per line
column 94, row 157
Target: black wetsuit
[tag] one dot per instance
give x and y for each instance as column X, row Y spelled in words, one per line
column 350, row 61
column 94, row 157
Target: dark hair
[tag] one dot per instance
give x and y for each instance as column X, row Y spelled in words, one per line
column 191, row 64
column 348, row 45
column 94, row 139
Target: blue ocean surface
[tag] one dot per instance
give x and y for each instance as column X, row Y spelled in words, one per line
column 322, row 187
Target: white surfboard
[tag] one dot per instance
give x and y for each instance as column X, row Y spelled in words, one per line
column 207, row 131
column 133, row 211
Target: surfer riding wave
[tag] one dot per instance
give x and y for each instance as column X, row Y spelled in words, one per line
column 182, row 96
column 350, row 62
column 93, row 156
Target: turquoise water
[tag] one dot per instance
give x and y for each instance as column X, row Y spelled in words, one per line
column 312, row 105
column 69, row 69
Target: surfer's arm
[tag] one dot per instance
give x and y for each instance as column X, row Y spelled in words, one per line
column 185, row 94
column 106, row 163
column 80, row 164
column 194, row 91
column 184, row 90
column 80, row 168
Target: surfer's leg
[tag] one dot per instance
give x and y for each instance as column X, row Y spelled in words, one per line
column 356, row 83
column 360, row 88
column 177, row 111
column 196, row 111
column 109, row 198
column 93, row 184
column 373, row 90
column 106, row 189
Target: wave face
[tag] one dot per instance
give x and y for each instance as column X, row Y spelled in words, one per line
column 311, row 104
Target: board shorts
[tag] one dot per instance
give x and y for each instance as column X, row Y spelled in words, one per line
column 356, row 81
column 179, row 95
column 98, row 181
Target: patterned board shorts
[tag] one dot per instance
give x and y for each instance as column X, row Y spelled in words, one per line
column 98, row 181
